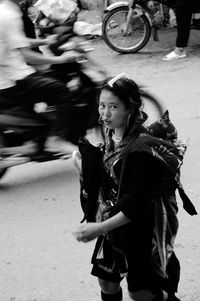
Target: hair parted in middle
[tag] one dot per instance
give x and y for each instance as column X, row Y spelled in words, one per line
column 127, row 91
column 134, row 97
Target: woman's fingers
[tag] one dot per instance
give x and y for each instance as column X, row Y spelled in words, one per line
column 80, row 237
column 86, row 232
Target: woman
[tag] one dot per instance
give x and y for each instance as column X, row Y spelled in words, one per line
column 135, row 217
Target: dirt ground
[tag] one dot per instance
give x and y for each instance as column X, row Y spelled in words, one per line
column 39, row 208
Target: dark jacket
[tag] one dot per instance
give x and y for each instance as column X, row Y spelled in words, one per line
column 189, row 4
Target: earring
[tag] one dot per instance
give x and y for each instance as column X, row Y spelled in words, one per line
column 100, row 121
column 128, row 121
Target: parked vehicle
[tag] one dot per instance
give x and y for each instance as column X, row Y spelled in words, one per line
column 127, row 25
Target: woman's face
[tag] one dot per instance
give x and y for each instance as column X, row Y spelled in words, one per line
column 112, row 110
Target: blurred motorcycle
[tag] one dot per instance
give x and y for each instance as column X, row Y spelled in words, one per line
column 17, row 126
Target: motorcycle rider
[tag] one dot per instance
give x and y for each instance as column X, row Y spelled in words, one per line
column 21, row 82
column 29, row 27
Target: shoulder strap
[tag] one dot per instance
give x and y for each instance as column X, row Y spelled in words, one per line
column 124, row 163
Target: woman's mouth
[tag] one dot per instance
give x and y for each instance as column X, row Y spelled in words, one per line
column 107, row 122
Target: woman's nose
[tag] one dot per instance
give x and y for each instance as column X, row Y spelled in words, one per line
column 107, row 112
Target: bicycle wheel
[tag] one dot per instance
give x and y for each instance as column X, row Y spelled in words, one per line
column 137, row 36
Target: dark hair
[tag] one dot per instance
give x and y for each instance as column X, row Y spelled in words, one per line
column 133, row 97
column 127, row 91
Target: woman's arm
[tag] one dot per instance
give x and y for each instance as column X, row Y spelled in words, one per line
column 141, row 177
column 141, row 180
column 90, row 231
column 114, row 222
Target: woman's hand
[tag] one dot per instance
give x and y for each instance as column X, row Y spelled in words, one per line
column 90, row 231
column 87, row 232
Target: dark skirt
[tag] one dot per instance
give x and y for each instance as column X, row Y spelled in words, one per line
column 112, row 265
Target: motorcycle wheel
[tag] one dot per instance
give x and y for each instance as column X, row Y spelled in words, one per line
column 2, row 144
column 138, row 35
